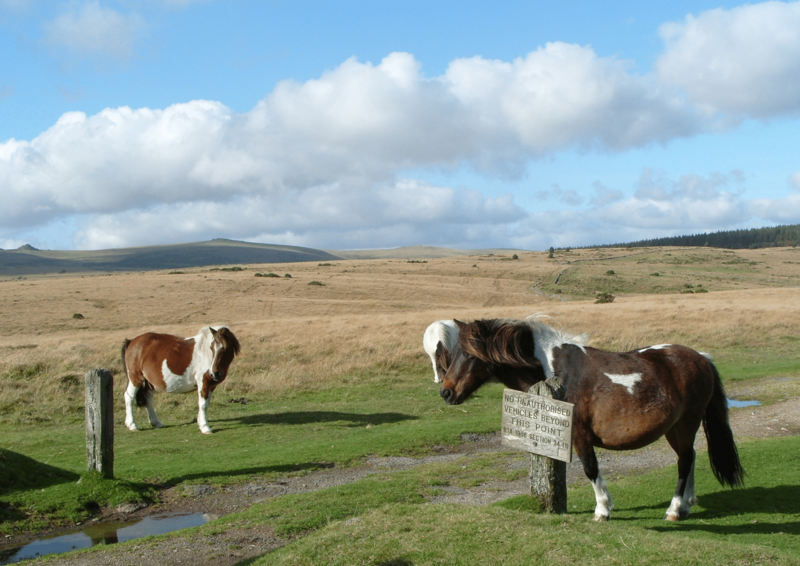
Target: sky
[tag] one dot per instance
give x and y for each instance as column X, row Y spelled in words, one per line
column 360, row 125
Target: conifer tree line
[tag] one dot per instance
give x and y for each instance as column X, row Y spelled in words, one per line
column 753, row 238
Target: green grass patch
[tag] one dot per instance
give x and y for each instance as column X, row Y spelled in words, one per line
column 754, row 525
column 37, row 496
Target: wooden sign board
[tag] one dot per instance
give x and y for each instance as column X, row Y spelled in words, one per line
column 538, row 424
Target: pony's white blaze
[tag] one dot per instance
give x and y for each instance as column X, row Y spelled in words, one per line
column 444, row 331
column 627, row 381
column 603, row 498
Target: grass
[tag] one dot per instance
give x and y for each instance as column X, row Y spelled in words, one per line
column 38, row 496
column 754, row 525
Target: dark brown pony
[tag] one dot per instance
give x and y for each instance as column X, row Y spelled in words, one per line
column 162, row 362
column 623, row 401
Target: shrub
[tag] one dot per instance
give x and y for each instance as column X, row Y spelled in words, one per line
column 611, row 272
column 604, row 298
column 77, row 316
column 317, row 283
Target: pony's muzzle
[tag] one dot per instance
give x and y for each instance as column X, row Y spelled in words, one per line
column 449, row 396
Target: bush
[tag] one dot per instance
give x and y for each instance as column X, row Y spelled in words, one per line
column 317, row 283
column 604, row 298
column 611, row 272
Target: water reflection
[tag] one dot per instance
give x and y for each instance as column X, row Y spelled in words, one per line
column 737, row 403
column 104, row 533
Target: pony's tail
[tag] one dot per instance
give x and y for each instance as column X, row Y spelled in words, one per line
column 146, row 390
column 144, row 393
column 722, row 452
column 125, row 345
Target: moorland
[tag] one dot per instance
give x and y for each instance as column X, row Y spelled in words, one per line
column 332, row 373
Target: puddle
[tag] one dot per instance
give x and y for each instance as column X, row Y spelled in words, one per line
column 737, row 403
column 103, row 533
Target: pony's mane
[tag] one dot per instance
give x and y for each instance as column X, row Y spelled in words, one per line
column 229, row 339
column 499, row 341
column 517, row 343
column 204, row 338
column 554, row 335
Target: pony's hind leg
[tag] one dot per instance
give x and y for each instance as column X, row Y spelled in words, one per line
column 602, row 510
column 684, row 497
column 130, row 397
column 151, row 410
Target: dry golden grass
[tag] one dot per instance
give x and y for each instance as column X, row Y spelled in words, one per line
column 369, row 315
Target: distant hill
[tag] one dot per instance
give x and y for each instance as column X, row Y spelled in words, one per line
column 417, row 252
column 775, row 237
column 27, row 260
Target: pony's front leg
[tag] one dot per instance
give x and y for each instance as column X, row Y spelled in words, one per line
column 130, row 398
column 602, row 510
column 203, row 402
column 684, row 497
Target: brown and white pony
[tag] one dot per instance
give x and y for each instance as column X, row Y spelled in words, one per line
column 162, row 362
column 623, row 401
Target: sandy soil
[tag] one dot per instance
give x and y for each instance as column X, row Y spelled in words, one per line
column 228, row 548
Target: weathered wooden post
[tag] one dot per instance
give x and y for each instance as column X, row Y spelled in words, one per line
column 540, row 423
column 100, row 422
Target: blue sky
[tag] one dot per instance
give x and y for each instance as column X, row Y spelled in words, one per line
column 347, row 125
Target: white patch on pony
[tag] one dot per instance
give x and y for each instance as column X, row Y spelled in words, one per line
column 658, row 347
column 444, row 331
column 178, row 383
column 603, row 497
column 546, row 339
column 627, row 381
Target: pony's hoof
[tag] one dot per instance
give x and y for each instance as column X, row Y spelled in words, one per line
column 600, row 518
column 133, row 428
column 158, row 425
column 670, row 517
column 206, row 431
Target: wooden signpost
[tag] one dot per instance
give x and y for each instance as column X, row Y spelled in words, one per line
column 100, row 422
column 539, row 423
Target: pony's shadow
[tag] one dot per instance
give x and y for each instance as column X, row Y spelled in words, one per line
column 780, row 499
column 311, row 417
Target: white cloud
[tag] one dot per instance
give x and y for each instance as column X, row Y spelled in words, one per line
column 794, row 180
column 743, row 61
column 355, row 127
column 603, row 196
column 661, row 206
column 330, row 216
column 93, row 29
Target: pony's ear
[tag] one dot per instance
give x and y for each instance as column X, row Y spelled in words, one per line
column 442, row 356
column 460, row 325
column 213, row 332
